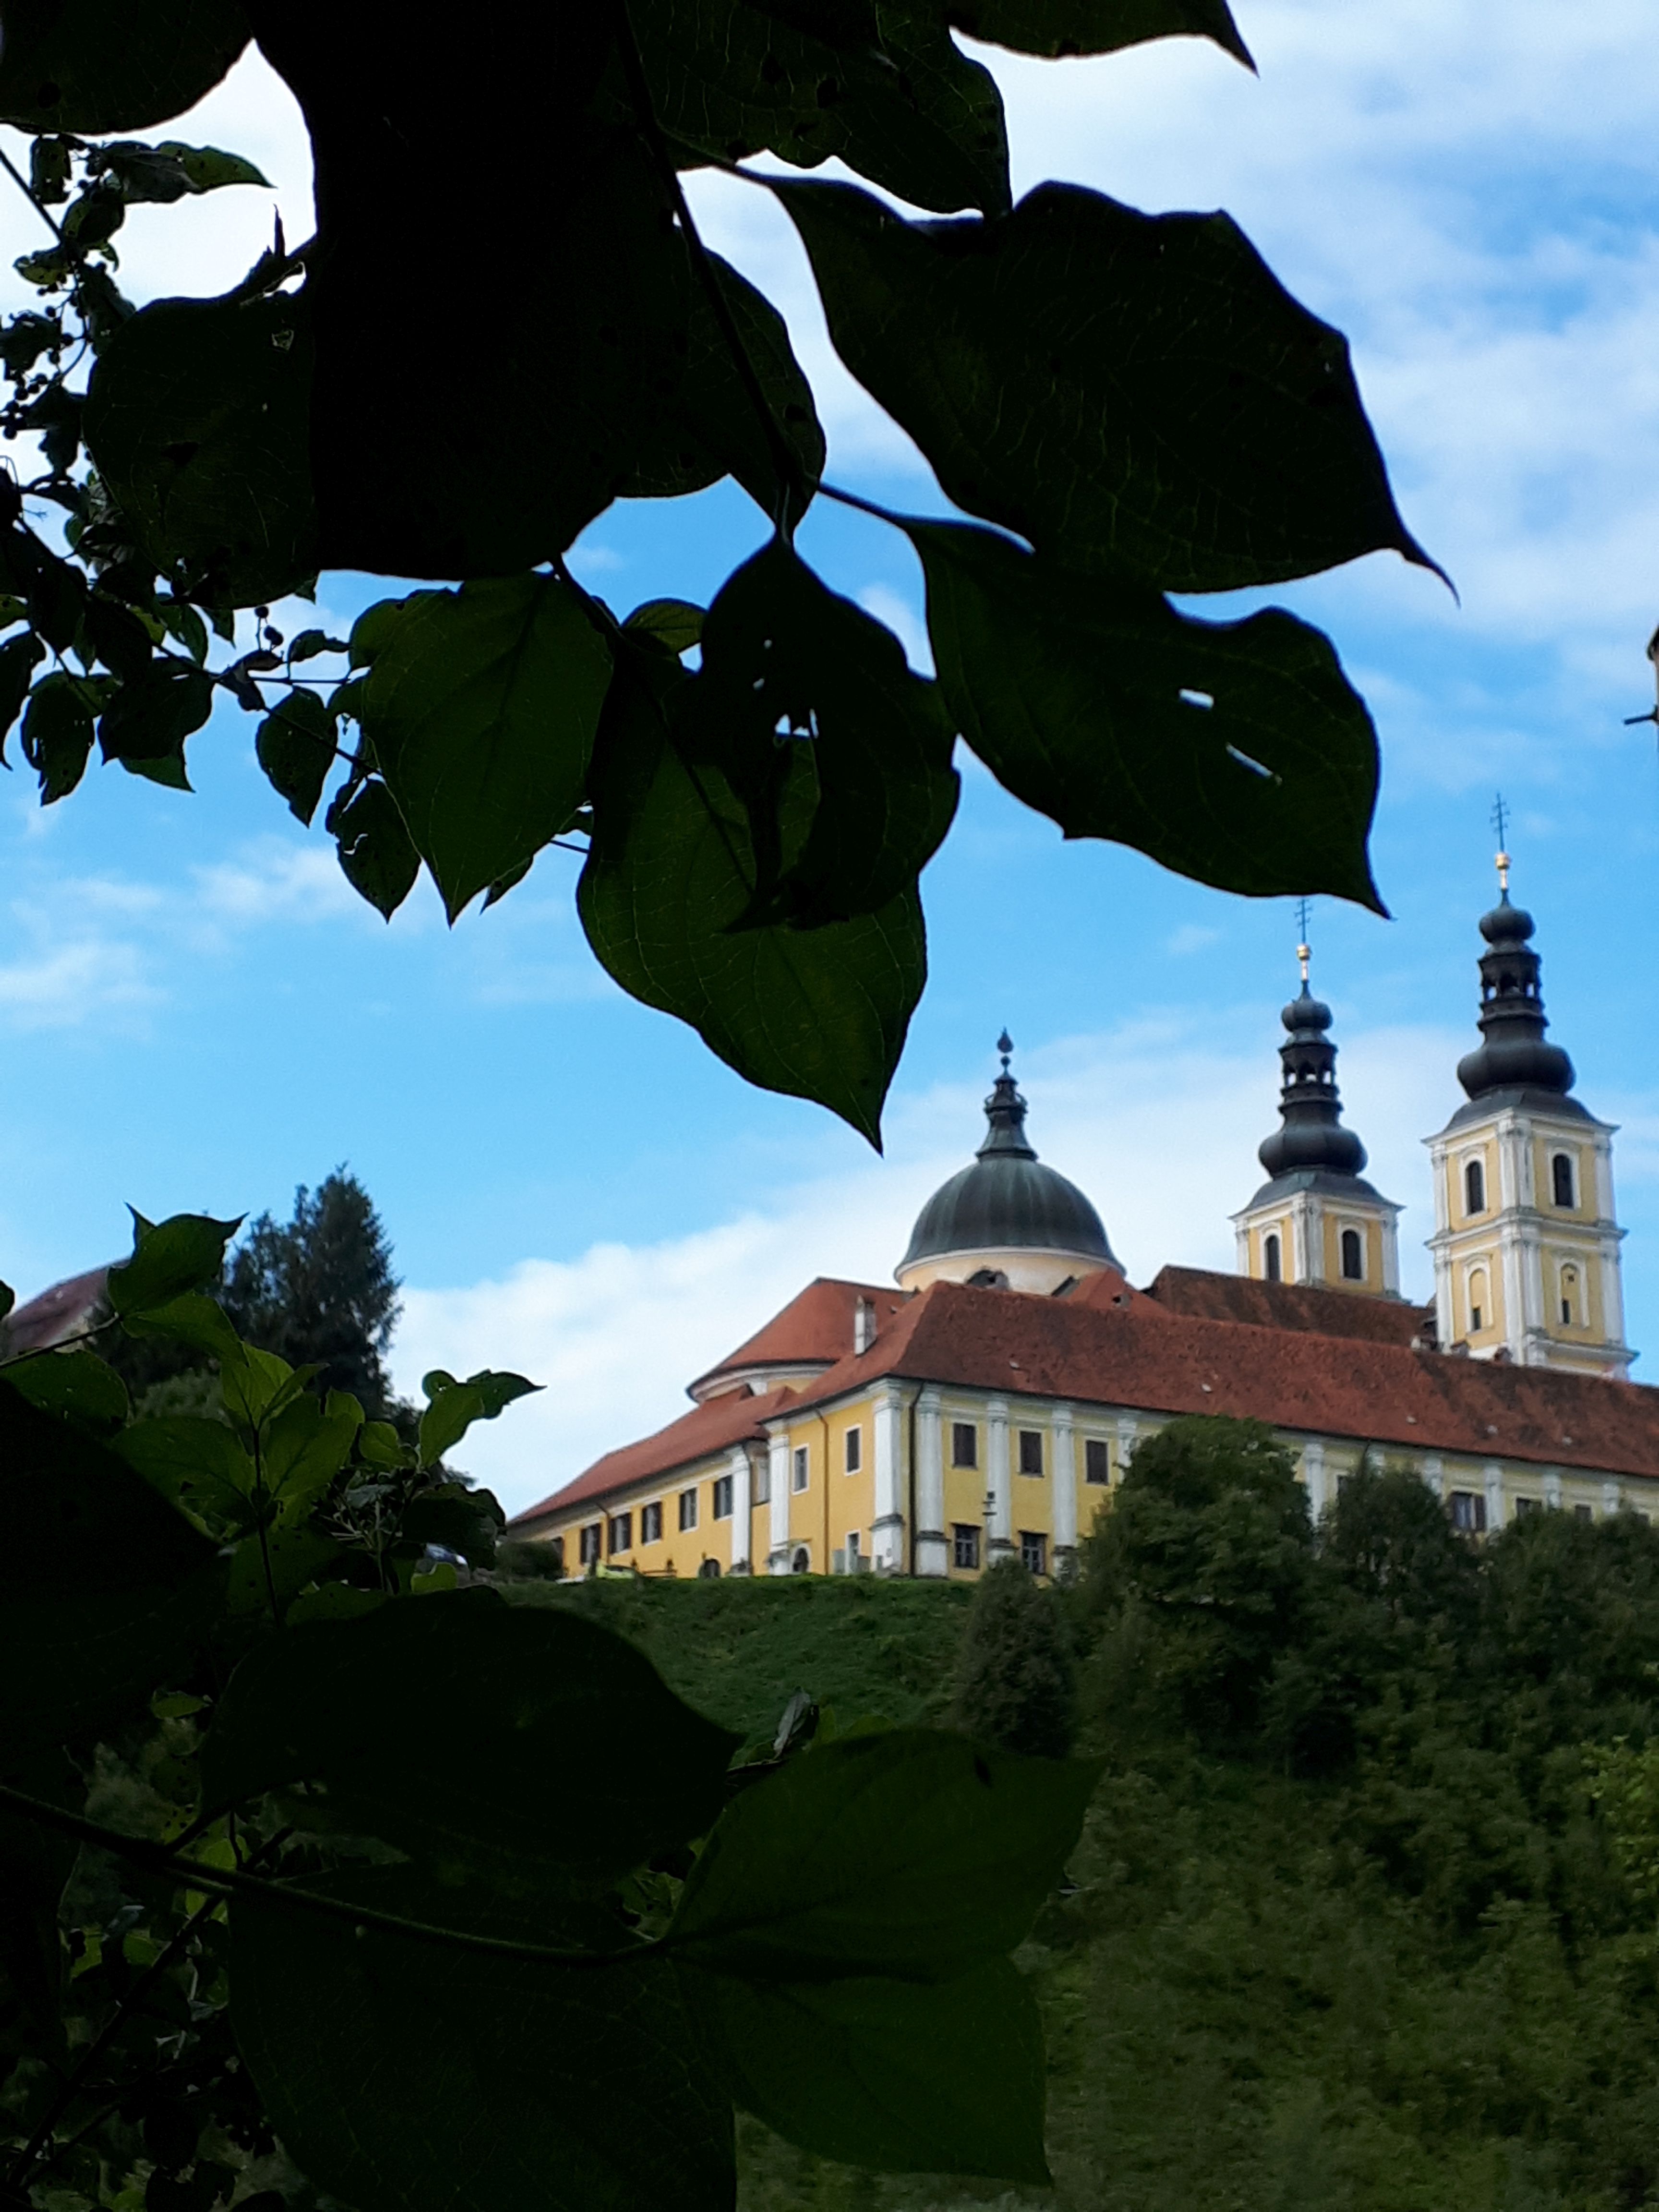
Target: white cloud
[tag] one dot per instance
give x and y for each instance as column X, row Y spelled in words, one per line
column 1156, row 1125
column 1191, row 937
column 273, row 881
column 64, row 985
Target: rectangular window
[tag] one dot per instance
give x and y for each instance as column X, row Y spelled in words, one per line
column 1584, row 1513
column 590, row 1543
column 1528, row 1505
column 761, row 1489
column 1097, row 1460
column 853, row 1561
column 800, row 1467
column 965, row 1544
column 688, row 1509
column 722, row 1487
column 964, row 1444
column 651, row 1523
column 1033, row 1552
column 1468, row 1511
column 1030, row 1451
column 621, row 1532
column 855, row 1450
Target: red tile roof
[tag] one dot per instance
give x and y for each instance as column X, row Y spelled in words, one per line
column 1089, row 1348
column 55, row 1313
column 729, row 1419
column 813, row 1330
column 1208, row 1295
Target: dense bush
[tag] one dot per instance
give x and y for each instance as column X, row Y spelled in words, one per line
column 1015, row 1684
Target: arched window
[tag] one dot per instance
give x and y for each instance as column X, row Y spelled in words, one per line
column 1478, row 1314
column 1353, row 1257
column 1561, row 1178
column 802, row 1562
column 710, row 1571
column 1474, row 1187
column 1270, row 1260
column 1569, row 1297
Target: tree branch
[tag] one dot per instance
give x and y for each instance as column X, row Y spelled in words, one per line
column 218, row 1881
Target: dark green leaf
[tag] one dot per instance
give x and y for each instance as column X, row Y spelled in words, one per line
column 310, row 642
column 295, row 746
column 94, row 217
column 28, row 336
column 1136, row 395
column 910, row 1854
column 189, row 1319
column 117, row 637
column 19, row 658
column 579, row 2091
column 169, row 171
column 56, row 418
column 455, row 1405
column 169, row 1258
column 50, row 170
column 477, row 1734
column 197, row 419
column 481, row 707
column 104, row 1588
column 906, row 2077
column 1096, row 27
column 883, row 87
column 469, row 1522
column 146, row 723
column 817, row 1013
column 99, row 65
column 8, row 1300
column 181, row 621
column 1235, row 752
column 712, row 429
column 57, row 733
column 57, row 599
column 307, row 1443
column 197, row 1464
column 379, row 857
column 800, row 687
column 675, row 623
column 78, row 1384
column 503, row 885
column 374, row 630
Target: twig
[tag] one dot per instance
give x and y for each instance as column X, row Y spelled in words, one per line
column 157, row 1858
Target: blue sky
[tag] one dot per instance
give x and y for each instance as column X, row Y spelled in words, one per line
column 196, row 1012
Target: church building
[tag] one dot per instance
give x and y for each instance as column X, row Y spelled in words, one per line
column 988, row 1405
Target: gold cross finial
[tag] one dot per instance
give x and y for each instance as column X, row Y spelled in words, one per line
column 1500, row 823
column 1304, row 950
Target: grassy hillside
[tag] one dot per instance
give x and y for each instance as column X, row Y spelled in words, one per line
column 1349, row 1931
column 738, row 1649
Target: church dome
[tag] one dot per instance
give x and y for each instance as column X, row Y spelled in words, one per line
column 1514, row 1054
column 1007, row 1218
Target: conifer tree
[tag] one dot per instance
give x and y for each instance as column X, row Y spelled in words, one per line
column 320, row 1290
column 1015, row 1674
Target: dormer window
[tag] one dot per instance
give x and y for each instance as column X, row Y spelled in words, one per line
column 864, row 1325
column 1474, row 1187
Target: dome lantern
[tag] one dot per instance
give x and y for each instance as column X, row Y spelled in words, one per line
column 1007, row 1220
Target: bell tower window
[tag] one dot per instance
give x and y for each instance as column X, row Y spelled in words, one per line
column 1353, row 1257
column 1562, row 1181
column 1569, row 1297
column 1474, row 1187
column 1271, row 1265
column 1477, row 1301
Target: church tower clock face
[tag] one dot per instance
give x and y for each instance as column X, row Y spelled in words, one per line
column 1526, row 1242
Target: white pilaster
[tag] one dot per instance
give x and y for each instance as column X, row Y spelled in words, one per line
column 1064, row 1504
column 1434, row 1473
column 1553, row 1488
column 999, row 1536
column 1313, row 1472
column 777, row 1469
column 887, row 1528
column 932, row 1554
column 738, row 1468
column 1613, row 1496
column 1493, row 1474
column 1129, row 1435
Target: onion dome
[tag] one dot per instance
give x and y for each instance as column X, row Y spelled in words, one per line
column 1007, row 1206
column 1513, row 1055
column 1310, row 1134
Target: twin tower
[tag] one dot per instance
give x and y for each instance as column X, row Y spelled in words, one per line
column 1526, row 1246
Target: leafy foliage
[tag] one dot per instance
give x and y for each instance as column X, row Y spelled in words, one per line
column 294, row 1755
column 1015, row 1684
column 1136, row 396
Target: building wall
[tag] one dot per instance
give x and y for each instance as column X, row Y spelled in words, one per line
column 1056, row 1506
column 1308, row 1225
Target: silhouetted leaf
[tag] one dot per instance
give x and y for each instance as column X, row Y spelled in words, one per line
column 454, row 1406
column 295, row 746
column 145, row 722
column 911, row 1853
column 19, row 658
column 169, row 171
column 376, row 851
column 168, row 1258
column 198, row 417
column 560, row 1743
column 1096, row 27
column 711, row 429
column 77, row 1383
column 581, row 2092
column 905, row 2078
column 480, row 705
column 57, row 733
column 1135, row 394
column 98, row 65
column 1236, row 752
column 817, row 1013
